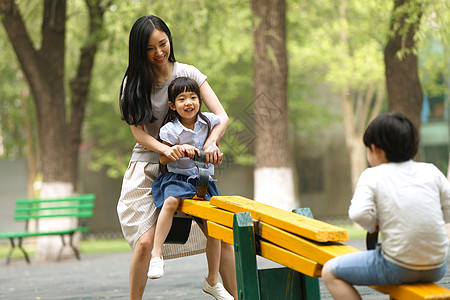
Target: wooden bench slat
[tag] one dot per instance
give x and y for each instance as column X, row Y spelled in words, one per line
column 289, row 221
column 80, row 198
column 414, row 291
column 220, row 232
column 41, row 208
column 290, row 259
column 62, row 215
column 23, row 234
column 319, row 252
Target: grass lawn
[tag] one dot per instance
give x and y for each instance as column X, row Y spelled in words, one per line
column 354, row 231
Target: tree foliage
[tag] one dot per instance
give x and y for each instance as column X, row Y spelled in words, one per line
column 216, row 37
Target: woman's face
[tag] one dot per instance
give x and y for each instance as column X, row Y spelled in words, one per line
column 158, row 49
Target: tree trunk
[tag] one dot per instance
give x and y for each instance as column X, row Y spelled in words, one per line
column 44, row 70
column 274, row 184
column 31, row 144
column 402, row 79
column 79, row 86
column 32, row 150
column 59, row 137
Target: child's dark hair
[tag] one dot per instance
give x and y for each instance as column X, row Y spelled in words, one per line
column 135, row 96
column 395, row 134
column 178, row 86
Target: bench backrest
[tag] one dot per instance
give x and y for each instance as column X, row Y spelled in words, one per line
column 79, row 206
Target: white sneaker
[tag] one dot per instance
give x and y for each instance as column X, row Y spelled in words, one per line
column 156, row 268
column 217, row 291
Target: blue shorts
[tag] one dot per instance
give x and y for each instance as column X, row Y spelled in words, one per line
column 178, row 186
column 371, row 268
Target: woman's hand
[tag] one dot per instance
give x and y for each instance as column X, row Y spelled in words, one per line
column 213, row 153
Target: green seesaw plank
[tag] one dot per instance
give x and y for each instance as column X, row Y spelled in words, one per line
column 307, row 227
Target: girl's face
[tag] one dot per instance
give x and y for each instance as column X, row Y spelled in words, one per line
column 187, row 105
column 158, row 49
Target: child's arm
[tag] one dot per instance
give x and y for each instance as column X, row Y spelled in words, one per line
column 363, row 208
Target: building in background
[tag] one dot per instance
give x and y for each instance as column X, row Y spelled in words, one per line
column 434, row 132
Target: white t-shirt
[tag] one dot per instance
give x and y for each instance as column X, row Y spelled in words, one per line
column 175, row 133
column 410, row 202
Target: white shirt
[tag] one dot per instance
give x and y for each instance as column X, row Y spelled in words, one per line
column 410, row 202
column 175, row 133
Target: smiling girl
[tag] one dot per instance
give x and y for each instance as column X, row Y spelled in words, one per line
column 187, row 129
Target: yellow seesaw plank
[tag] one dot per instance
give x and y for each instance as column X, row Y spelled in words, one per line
column 204, row 210
column 414, row 291
column 307, row 227
column 318, row 252
column 220, row 232
column 290, row 259
column 272, row 252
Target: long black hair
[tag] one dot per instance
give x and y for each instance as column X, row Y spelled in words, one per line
column 135, row 94
column 178, row 86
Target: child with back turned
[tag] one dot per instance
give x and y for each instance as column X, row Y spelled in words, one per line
column 186, row 128
column 407, row 201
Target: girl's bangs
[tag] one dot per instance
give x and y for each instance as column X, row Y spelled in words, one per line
column 181, row 86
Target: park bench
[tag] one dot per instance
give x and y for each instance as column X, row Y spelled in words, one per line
column 292, row 239
column 77, row 207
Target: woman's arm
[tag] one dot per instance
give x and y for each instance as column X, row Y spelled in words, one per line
column 212, row 150
column 149, row 142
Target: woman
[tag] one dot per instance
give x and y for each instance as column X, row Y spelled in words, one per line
column 144, row 103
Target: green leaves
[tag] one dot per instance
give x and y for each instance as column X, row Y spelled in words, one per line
column 216, row 37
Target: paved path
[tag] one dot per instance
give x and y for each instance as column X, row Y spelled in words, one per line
column 105, row 276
